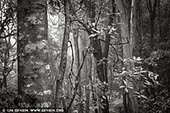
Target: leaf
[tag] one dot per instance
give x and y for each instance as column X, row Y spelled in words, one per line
column 143, row 71
column 47, row 92
column 138, row 59
column 104, row 97
column 143, row 96
column 125, row 82
column 123, row 73
column 130, row 87
column 96, row 31
column 92, row 35
column 137, row 93
column 126, row 90
column 121, row 87
column 147, row 83
column 29, row 85
column 150, row 74
column 136, row 73
column 156, row 76
column 113, row 37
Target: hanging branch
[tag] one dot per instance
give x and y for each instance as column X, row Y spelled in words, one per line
column 72, row 61
column 77, row 76
column 71, row 70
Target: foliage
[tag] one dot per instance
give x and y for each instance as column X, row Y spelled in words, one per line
column 134, row 80
column 7, row 98
column 7, row 40
column 159, row 62
column 158, row 104
column 146, row 79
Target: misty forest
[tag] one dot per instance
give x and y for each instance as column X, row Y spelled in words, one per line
column 85, row 56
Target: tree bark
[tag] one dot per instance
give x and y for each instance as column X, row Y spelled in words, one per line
column 152, row 8
column 127, row 29
column 98, row 55
column 87, row 70
column 33, row 67
column 63, row 61
column 77, row 57
column 89, row 81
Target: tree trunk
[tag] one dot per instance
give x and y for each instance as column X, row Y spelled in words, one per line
column 127, row 29
column 152, row 8
column 77, row 58
column 138, row 32
column 33, row 67
column 89, row 81
column 63, row 61
column 124, row 8
column 5, row 68
column 159, row 21
column 100, row 75
column 87, row 70
column 97, row 53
